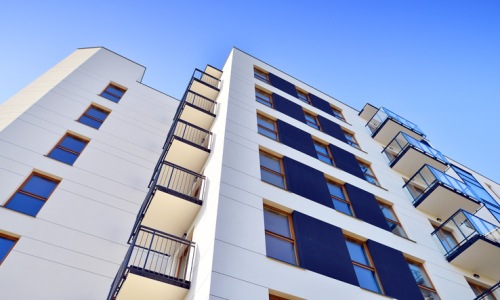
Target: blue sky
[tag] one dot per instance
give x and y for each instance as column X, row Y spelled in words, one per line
column 437, row 63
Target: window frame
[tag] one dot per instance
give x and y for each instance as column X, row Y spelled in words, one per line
column 57, row 146
column 372, row 175
column 282, row 169
column 431, row 289
column 38, row 197
column 290, row 239
column 388, row 220
column 93, row 106
column 116, row 86
column 337, row 113
column 264, row 75
column 275, row 125
column 346, row 200
column 274, row 297
column 351, row 139
column 315, row 118
column 443, row 240
column 263, row 101
column 305, row 96
column 330, row 156
column 370, row 260
column 11, row 238
column 478, row 288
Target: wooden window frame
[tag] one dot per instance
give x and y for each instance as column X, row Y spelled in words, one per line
column 479, row 288
column 290, row 239
column 57, row 146
column 330, row 156
column 282, row 169
column 271, row 102
column 315, row 118
column 352, row 142
column 116, row 86
column 11, row 238
column 262, row 73
column 305, row 95
column 443, row 240
column 397, row 222
column 267, row 129
column 431, row 289
column 93, row 118
column 274, row 297
column 372, row 175
column 346, row 200
column 369, row 257
column 337, row 113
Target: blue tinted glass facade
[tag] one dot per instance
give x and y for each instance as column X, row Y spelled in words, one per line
column 68, row 149
column 93, row 117
column 113, row 93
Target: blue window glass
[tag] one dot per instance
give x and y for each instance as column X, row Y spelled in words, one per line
column 365, row 272
column 32, row 195
column 68, row 149
column 280, row 243
column 113, row 93
column 6, row 245
column 93, row 117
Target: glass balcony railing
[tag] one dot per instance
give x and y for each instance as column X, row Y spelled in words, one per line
column 383, row 114
column 402, row 141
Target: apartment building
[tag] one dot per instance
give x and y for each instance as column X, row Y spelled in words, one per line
column 254, row 186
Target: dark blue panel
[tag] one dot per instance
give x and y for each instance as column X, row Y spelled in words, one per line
column 331, row 128
column 366, row 207
column 321, row 104
column 5, row 246
column 306, row 182
column 346, row 161
column 322, row 249
column 296, row 138
column 25, row 204
column 283, row 85
column 289, row 108
column 394, row 273
column 73, row 144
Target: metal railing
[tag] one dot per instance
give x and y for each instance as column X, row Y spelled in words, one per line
column 383, row 114
column 190, row 133
column 200, row 101
column 427, row 177
column 465, row 226
column 159, row 256
column 490, row 294
column 206, row 78
column 402, row 141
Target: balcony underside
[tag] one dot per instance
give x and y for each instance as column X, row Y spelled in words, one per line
column 213, row 71
column 171, row 213
column 187, row 155
column 197, row 116
column 479, row 256
column 204, row 89
column 389, row 129
column 411, row 160
column 368, row 111
column 442, row 202
column 145, row 287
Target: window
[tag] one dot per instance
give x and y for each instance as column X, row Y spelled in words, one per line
column 312, row 120
column 271, row 170
column 351, row 140
column 446, row 238
column 478, row 290
column 363, row 267
column 267, row 127
column 280, row 242
column 274, row 297
column 94, row 117
column 31, row 196
column 261, row 75
column 68, row 149
column 423, row 281
column 369, row 176
column 6, row 244
column 392, row 220
column 113, row 93
column 263, row 97
column 337, row 113
column 304, row 97
column 323, row 153
column 340, row 201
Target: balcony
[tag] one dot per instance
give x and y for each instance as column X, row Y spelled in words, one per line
column 385, row 124
column 407, row 155
column 471, row 243
column 174, row 201
column 188, row 146
column 204, row 84
column 197, row 110
column 491, row 294
column 440, row 195
column 157, row 266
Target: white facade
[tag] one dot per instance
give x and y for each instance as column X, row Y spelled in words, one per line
column 74, row 250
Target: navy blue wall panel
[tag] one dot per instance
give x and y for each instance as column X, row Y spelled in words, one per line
column 296, row 138
column 288, row 108
column 331, row 128
column 393, row 271
column 320, row 104
column 322, row 249
column 366, row 207
column 282, row 84
column 306, row 182
column 346, row 161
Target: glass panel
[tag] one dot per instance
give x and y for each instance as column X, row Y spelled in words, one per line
column 39, row 186
column 277, row 223
column 115, row 91
column 265, row 123
column 5, row 246
column 272, row 178
column 268, row 133
column 342, row 207
column 97, row 113
column 325, row 159
column 419, row 275
column 260, row 75
column 63, row 156
column 336, row 190
column 321, row 148
column 337, row 114
column 387, row 211
column 280, row 249
column 396, row 229
column 110, row 97
column 90, row 122
column 270, row 163
column 25, row 204
column 367, row 279
column 73, row 144
column 303, row 97
column 357, row 253
column 429, row 295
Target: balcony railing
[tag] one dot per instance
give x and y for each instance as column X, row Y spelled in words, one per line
column 383, row 114
column 200, row 102
column 195, row 135
column 206, row 78
column 402, row 142
column 158, row 256
column 491, row 294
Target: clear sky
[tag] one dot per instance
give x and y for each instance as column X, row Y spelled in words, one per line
column 436, row 63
